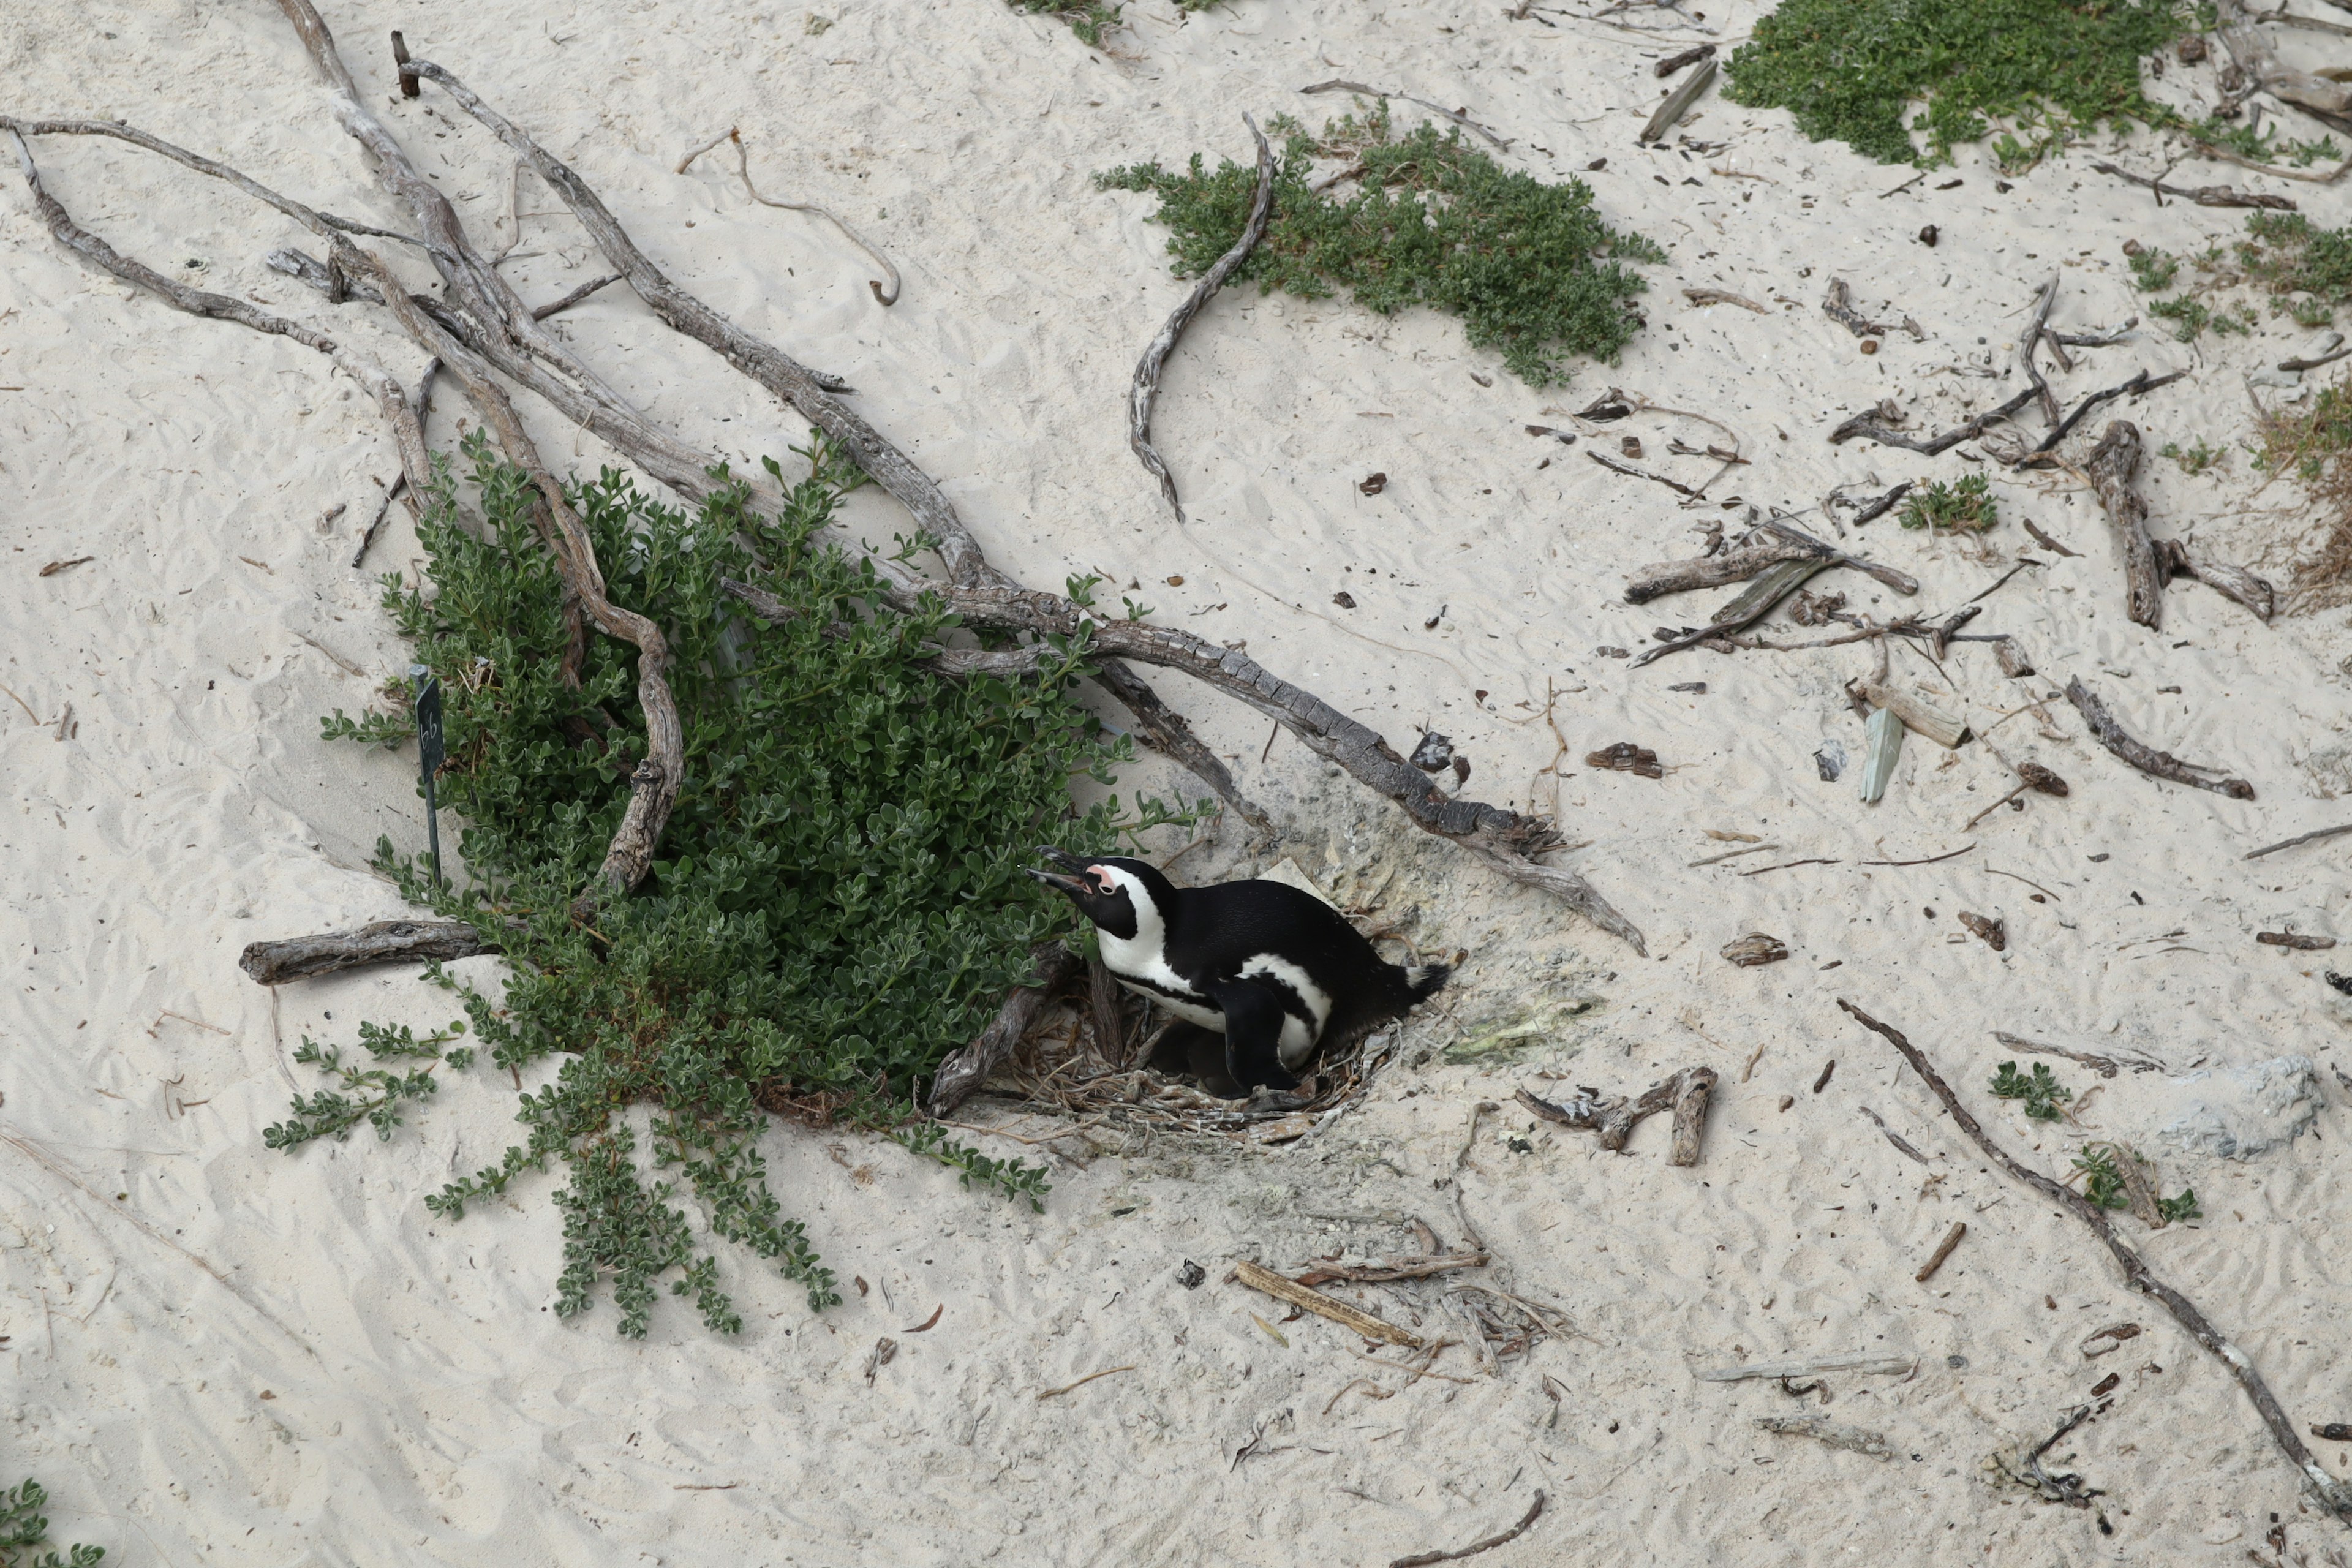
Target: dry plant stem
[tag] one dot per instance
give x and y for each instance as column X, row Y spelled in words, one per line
column 2313, row 838
column 1146, row 390
column 886, row 297
column 2031, row 340
column 386, row 941
column 2111, row 467
column 540, row 312
column 1394, row 1269
column 2104, row 1066
column 1423, row 1559
column 1457, row 116
column 1258, row 1277
column 2145, row 758
column 966, row 1070
column 2335, row 1495
column 1943, row 1250
column 2204, row 196
column 407, row 429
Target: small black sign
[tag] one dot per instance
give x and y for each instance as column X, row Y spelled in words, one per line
column 430, row 749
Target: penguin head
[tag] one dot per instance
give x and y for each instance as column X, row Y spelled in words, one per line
column 1120, row 896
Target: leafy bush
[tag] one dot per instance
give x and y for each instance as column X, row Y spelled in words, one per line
column 839, row 900
column 1965, row 507
column 1530, row 268
column 2041, row 1090
column 2104, row 1185
column 22, row 1528
column 1849, row 69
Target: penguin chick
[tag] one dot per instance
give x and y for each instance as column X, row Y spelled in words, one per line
column 1274, row 970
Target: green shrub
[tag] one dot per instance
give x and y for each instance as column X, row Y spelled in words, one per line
column 1965, row 507
column 2041, row 1090
column 2104, row 1185
column 839, row 900
column 22, row 1528
column 1850, row 69
column 1530, row 268
column 2196, row 458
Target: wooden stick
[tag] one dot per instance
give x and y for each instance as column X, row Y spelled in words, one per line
column 1736, row 564
column 1690, row 1114
column 2204, row 196
column 1262, row 1278
column 2232, row 582
column 1837, row 304
column 1052, row 1392
column 1943, row 1250
column 966, row 1070
column 2110, row 469
column 1679, row 101
column 1917, row 713
column 2312, row 838
column 2140, row 382
column 2335, row 1495
column 1423, row 1559
column 1867, row 1363
column 1146, row 390
column 384, row 941
column 1866, row 425
column 2146, row 758
column 2031, row 340
column 1394, row 1268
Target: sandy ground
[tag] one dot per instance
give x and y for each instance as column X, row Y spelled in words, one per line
column 219, row 1353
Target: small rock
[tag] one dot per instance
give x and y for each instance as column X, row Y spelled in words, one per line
column 1929, row 235
column 1344, row 599
column 1373, row 484
column 1191, row 1275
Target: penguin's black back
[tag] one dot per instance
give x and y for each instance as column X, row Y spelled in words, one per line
column 1214, row 931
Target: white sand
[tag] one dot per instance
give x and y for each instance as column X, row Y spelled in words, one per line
column 373, row 1386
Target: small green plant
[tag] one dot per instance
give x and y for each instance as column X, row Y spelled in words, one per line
column 1850, row 70
column 2258, row 146
column 2196, row 458
column 1086, row 19
column 1530, row 267
column 2190, row 316
column 1965, row 507
column 2041, row 1090
column 2104, row 1185
column 22, row 1528
column 839, row 899
column 2289, row 254
column 2152, row 269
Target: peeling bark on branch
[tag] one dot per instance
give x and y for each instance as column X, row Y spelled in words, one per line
column 386, row 941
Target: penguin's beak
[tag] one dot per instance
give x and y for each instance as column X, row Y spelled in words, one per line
column 1072, row 887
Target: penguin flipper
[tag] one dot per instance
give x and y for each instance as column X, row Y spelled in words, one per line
column 1253, row 1019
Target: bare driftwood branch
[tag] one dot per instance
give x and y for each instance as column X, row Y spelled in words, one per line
column 1423, row 1268
column 1169, row 733
column 2146, row 758
column 2143, row 381
column 2204, row 196
column 1146, row 390
column 2181, row 559
column 386, row 941
column 2111, row 467
column 2327, row 100
column 2030, row 343
column 1459, row 117
column 1502, row 1538
column 1678, row 102
column 1724, row 567
column 2335, row 1495
column 966, row 1070
column 1837, row 304
column 1868, row 425
column 1615, row 1117
column 1258, row 1277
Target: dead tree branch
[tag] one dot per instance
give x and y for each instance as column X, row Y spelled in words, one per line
column 2145, row 757
column 2110, row 469
column 386, row 941
column 1146, row 390
column 966, row 1070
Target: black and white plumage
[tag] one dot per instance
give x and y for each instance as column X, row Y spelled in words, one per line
column 1274, row 970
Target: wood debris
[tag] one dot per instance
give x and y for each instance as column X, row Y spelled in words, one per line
column 1754, row 949
column 1626, row 757
column 1838, row 306
column 1615, row 1117
column 2140, row 755
column 1259, row 1277
column 1836, row 1434
column 1991, row 931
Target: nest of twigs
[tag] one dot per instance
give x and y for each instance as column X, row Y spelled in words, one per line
column 1065, row 1065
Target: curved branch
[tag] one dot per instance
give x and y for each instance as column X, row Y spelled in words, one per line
column 1146, row 391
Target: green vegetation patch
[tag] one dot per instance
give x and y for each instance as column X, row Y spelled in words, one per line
column 2304, row 271
column 839, row 902
column 1089, row 18
column 1964, row 507
column 1850, row 70
column 2040, row 1089
column 2104, row 1185
column 1531, row 269
column 2264, row 146
column 22, row 1529
column 2196, row 457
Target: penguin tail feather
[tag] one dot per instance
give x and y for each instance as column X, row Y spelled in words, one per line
column 1427, row 980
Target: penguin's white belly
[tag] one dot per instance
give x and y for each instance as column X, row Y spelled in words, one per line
column 1143, row 968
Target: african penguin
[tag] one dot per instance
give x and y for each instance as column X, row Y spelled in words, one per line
column 1274, row 970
